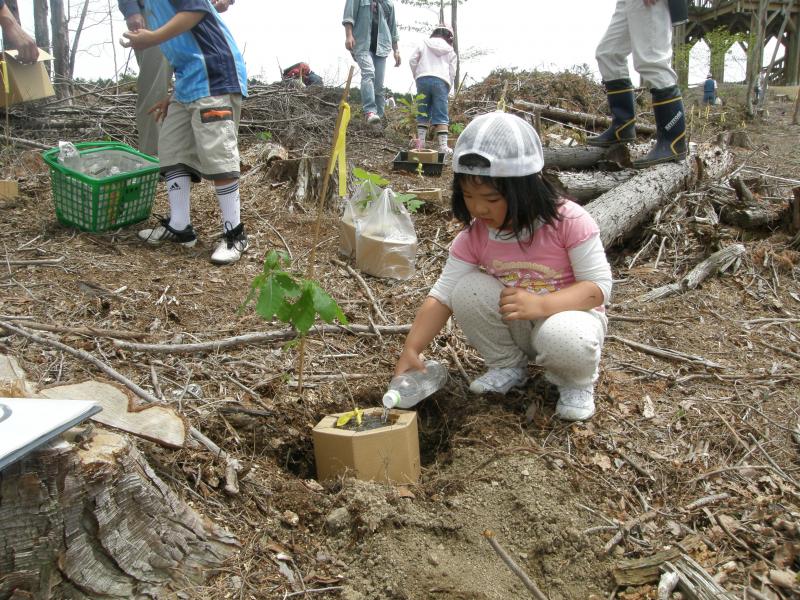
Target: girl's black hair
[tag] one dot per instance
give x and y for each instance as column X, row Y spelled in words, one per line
column 441, row 32
column 530, row 198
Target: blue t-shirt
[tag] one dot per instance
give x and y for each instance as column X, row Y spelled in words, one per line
column 206, row 60
column 2, row 3
column 708, row 86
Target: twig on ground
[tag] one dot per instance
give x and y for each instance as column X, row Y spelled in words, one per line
column 739, row 542
column 281, row 335
column 666, row 353
column 526, row 580
column 627, row 527
column 353, row 273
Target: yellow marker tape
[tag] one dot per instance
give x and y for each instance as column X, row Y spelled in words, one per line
column 348, row 416
column 6, row 84
column 339, row 157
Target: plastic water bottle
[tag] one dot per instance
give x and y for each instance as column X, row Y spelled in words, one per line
column 69, row 156
column 409, row 388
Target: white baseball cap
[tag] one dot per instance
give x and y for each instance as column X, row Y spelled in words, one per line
column 509, row 143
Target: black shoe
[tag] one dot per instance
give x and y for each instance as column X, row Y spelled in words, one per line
column 622, row 103
column 233, row 244
column 164, row 233
column 670, row 128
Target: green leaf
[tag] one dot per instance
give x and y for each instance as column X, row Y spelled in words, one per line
column 326, row 306
column 271, row 261
column 290, row 287
column 370, row 177
column 303, row 311
column 271, row 298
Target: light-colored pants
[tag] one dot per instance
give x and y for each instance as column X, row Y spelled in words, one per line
column 152, row 86
column 567, row 345
column 644, row 31
column 202, row 136
column 373, row 69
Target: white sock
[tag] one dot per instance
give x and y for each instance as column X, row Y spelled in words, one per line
column 179, row 186
column 230, row 205
column 441, row 137
column 422, row 134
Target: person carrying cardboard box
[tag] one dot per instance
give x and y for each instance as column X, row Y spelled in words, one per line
column 15, row 38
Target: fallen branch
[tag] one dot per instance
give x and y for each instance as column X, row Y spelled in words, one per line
column 86, row 331
column 580, row 118
column 666, row 353
column 353, row 273
column 259, row 338
column 527, row 581
column 718, row 262
column 627, row 527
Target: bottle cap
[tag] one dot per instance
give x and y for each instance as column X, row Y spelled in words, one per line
column 391, row 398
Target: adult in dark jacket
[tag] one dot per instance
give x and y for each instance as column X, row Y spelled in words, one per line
column 642, row 28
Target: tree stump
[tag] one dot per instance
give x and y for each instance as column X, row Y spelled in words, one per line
column 95, row 521
column 306, row 176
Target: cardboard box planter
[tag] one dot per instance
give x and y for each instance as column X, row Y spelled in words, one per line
column 25, row 82
column 388, row 453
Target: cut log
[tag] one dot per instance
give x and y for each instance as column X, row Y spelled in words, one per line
column 585, row 157
column 588, row 186
column 159, row 424
column 13, row 380
column 622, row 211
column 96, row 522
column 579, row 118
column 716, row 263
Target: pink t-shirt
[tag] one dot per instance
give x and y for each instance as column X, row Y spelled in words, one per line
column 541, row 267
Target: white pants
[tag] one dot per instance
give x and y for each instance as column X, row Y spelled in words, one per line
column 644, row 31
column 152, row 86
column 567, row 345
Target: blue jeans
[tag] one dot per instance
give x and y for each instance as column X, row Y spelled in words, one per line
column 373, row 68
column 434, row 105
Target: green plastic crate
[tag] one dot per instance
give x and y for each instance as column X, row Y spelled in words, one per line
column 99, row 204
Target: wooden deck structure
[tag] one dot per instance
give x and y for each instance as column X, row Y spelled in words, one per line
column 739, row 16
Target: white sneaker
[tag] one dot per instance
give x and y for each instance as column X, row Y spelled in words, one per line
column 231, row 247
column 164, row 233
column 372, row 118
column 499, row 381
column 575, row 404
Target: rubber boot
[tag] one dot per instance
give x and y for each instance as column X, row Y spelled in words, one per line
column 670, row 128
column 622, row 103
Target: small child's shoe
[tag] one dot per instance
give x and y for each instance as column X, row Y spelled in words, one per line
column 164, row 233
column 233, row 244
column 575, row 404
column 499, row 381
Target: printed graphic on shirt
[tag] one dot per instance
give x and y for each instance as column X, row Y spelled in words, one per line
column 533, row 277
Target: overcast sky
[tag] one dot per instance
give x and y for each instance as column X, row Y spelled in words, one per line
column 527, row 34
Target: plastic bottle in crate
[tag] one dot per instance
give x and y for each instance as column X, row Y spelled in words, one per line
column 407, row 389
column 69, row 156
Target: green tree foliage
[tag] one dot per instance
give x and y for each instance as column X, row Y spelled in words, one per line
column 291, row 300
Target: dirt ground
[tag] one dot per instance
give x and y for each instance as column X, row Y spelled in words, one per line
column 715, row 423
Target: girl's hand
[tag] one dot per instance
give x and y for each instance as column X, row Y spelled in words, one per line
column 141, row 39
column 517, row 304
column 408, row 361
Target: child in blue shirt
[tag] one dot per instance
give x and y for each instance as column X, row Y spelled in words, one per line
column 199, row 135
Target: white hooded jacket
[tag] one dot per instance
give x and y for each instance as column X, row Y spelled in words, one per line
column 434, row 58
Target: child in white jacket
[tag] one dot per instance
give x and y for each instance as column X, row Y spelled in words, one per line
column 434, row 67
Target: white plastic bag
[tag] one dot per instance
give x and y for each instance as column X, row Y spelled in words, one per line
column 355, row 208
column 386, row 242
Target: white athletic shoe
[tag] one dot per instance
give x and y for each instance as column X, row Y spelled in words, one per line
column 164, row 233
column 575, row 404
column 499, row 381
column 231, row 247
